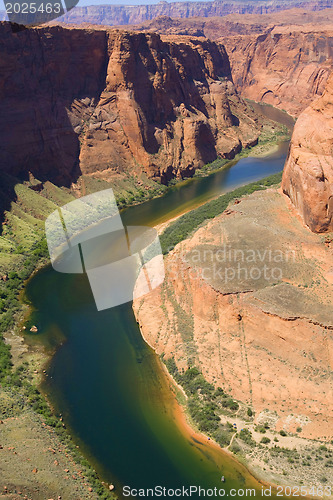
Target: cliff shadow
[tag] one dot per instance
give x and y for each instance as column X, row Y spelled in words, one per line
column 157, row 103
column 7, row 195
column 52, row 80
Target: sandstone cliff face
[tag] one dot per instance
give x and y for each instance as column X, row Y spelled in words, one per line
column 248, row 300
column 308, row 173
column 286, row 67
column 240, row 24
column 44, row 74
column 85, row 101
column 283, row 59
column 132, row 14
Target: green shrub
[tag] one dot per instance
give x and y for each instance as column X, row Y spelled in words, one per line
column 230, row 403
column 246, row 436
column 223, row 435
column 203, row 400
column 235, row 448
column 260, row 429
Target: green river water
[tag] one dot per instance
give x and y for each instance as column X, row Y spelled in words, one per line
column 108, row 383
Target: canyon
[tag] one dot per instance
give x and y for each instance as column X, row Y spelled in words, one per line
column 132, row 14
column 102, row 102
column 105, row 103
column 163, row 104
column 247, row 299
column 286, row 67
column 125, row 102
column 283, row 59
column 237, row 24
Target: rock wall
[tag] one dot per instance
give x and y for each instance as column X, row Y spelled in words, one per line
column 240, row 24
column 286, row 67
column 283, row 59
column 248, row 300
column 308, row 173
column 132, row 14
column 85, row 101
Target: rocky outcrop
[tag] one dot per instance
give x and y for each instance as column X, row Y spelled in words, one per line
column 283, row 59
column 248, row 300
column 308, row 173
column 286, row 67
column 85, row 101
column 240, row 24
column 170, row 104
column 132, row 14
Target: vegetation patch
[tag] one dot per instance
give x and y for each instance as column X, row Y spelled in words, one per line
column 205, row 403
column 184, row 226
column 23, row 249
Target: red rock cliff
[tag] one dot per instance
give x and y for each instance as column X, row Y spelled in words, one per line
column 84, row 100
column 287, row 67
column 308, row 173
column 283, row 59
column 132, row 14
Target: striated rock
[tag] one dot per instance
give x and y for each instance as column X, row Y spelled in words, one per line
column 132, row 14
column 84, row 101
column 308, row 173
column 240, row 24
column 283, row 59
column 44, row 73
column 286, row 67
column 248, row 300
column 168, row 104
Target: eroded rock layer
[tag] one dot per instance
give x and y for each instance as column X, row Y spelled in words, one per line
column 248, row 300
column 84, row 100
column 287, row 67
column 240, row 24
column 133, row 14
column 308, row 173
column 283, row 59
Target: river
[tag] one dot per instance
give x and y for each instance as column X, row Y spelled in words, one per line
column 110, row 386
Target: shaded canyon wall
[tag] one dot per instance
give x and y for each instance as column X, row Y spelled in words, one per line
column 85, row 101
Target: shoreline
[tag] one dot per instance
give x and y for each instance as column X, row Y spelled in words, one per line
column 46, row 356
column 252, row 467
column 190, row 430
column 40, row 357
column 266, row 150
